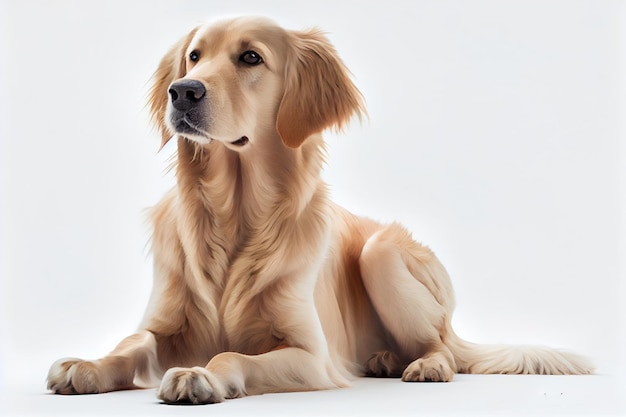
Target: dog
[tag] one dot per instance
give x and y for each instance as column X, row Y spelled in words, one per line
column 261, row 283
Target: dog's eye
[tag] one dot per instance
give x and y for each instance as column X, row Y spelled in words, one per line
column 251, row 58
column 194, row 56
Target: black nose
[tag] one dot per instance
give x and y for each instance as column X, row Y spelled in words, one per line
column 186, row 93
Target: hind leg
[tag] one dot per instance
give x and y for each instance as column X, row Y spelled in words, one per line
column 384, row 365
column 412, row 294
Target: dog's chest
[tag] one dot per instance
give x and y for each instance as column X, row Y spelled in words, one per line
column 247, row 326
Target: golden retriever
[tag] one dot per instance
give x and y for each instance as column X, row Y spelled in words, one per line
column 261, row 283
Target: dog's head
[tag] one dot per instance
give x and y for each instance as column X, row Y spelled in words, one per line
column 245, row 79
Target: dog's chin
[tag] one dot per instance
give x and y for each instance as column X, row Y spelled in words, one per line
column 193, row 134
column 236, row 145
column 200, row 140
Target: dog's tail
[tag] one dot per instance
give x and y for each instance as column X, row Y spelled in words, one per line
column 472, row 358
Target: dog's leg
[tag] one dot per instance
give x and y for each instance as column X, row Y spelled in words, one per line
column 384, row 364
column 413, row 296
column 232, row 375
column 132, row 364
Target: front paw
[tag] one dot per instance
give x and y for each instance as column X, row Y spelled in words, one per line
column 73, row 376
column 190, row 386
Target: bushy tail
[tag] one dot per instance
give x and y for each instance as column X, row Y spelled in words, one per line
column 472, row 358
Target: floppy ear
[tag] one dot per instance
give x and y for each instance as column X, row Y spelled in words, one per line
column 171, row 67
column 318, row 90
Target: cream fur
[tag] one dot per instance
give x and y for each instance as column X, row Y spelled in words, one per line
column 261, row 283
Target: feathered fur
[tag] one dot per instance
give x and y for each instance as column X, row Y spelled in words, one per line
column 261, row 283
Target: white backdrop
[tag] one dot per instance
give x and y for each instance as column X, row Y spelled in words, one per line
column 495, row 134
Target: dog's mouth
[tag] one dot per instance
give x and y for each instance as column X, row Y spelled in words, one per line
column 184, row 126
column 190, row 130
column 242, row 141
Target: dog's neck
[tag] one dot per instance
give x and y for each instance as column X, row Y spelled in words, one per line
column 235, row 192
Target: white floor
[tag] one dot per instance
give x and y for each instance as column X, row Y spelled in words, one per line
column 468, row 395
